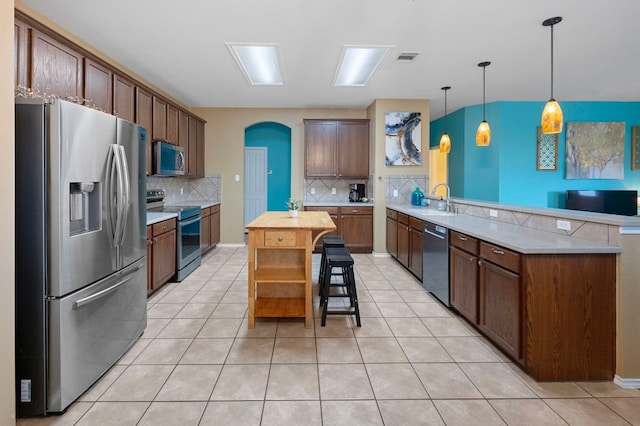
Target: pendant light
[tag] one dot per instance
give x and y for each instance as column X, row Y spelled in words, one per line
column 445, row 142
column 551, row 121
column 483, row 134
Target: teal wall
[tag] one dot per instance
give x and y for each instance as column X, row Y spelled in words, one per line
column 505, row 171
column 277, row 139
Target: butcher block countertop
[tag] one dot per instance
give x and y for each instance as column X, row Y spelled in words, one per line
column 305, row 220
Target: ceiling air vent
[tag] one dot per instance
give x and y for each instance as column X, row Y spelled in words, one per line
column 406, row 57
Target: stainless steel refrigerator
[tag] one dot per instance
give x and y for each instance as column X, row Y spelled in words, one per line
column 80, row 249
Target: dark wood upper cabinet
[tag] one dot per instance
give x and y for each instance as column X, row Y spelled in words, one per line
column 144, row 117
column 98, row 85
column 199, row 148
column 20, row 53
column 172, row 124
column 337, row 148
column 56, row 69
column 123, row 98
column 183, row 137
column 159, row 127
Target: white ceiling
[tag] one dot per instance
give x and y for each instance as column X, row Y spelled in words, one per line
column 180, row 47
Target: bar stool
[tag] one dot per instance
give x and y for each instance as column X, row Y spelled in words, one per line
column 339, row 258
column 329, row 241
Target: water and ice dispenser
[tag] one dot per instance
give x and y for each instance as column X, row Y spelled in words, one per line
column 84, row 207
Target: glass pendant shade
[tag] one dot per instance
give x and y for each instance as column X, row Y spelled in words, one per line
column 483, row 134
column 551, row 121
column 445, row 143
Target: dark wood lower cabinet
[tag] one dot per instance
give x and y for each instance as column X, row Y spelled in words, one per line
column 353, row 224
column 209, row 227
column 500, row 313
column 463, row 278
column 392, row 236
column 403, row 239
column 415, row 247
column 161, row 254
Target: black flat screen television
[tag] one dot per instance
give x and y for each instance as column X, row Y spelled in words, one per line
column 622, row 202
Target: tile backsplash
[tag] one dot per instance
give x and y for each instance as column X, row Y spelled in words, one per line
column 405, row 185
column 178, row 189
column 322, row 189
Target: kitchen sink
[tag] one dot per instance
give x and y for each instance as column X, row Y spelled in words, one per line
column 432, row 212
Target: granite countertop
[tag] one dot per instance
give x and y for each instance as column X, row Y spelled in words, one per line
column 337, row 204
column 519, row 238
column 155, row 217
column 202, row 204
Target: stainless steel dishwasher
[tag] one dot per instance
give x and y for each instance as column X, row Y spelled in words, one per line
column 435, row 261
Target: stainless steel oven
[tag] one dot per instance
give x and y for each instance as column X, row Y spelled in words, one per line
column 188, row 254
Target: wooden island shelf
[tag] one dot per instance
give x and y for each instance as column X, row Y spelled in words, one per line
column 280, row 249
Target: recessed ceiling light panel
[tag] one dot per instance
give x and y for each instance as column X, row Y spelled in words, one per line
column 358, row 64
column 260, row 63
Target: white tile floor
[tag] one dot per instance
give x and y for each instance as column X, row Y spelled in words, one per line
column 412, row 362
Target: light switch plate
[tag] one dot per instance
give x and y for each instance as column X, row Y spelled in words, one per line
column 395, row 192
column 333, row 190
column 237, row 178
column 563, row 224
column 313, row 191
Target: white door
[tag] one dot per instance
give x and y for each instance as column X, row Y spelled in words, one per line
column 255, row 183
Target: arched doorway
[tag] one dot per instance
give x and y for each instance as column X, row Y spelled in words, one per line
column 267, row 171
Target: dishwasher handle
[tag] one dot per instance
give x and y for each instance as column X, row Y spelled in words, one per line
column 433, row 234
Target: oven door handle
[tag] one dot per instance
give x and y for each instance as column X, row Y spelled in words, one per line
column 187, row 222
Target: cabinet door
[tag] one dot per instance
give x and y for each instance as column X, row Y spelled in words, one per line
column 199, row 148
column 149, row 259
column 353, row 149
column 403, row 244
column 320, row 148
column 55, row 68
column 392, row 237
column 164, row 258
column 192, row 153
column 205, row 232
column 173, row 114
column 215, row 225
column 98, row 85
column 357, row 229
column 124, row 99
column 144, row 117
column 159, row 128
column 20, row 38
column 501, row 307
column 464, row 283
column 183, row 138
column 415, row 252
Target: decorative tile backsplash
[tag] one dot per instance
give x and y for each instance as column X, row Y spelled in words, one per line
column 405, row 185
column 178, row 189
column 322, row 189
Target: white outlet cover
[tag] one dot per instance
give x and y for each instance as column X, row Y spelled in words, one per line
column 333, row 190
column 313, row 191
column 563, row 224
column 395, row 192
column 493, row 213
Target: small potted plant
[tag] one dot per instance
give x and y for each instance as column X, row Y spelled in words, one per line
column 293, row 205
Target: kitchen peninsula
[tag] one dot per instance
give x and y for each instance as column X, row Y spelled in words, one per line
column 280, row 249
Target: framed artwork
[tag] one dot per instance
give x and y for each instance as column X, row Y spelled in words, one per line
column 547, row 152
column 635, row 148
column 403, row 135
column 595, row 150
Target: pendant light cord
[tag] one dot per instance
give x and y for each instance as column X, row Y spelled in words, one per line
column 484, row 73
column 551, row 61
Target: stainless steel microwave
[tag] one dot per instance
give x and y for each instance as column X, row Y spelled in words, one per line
column 168, row 159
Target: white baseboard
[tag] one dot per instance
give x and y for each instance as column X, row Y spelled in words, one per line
column 383, row 254
column 627, row 383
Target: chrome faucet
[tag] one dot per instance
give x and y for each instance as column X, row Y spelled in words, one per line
column 448, row 194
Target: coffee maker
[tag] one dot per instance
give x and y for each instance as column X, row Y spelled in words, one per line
column 357, row 192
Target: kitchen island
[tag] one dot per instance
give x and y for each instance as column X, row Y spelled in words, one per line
column 280, row 249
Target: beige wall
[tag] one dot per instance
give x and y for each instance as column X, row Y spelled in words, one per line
column 627, row 310
column 7, row 236
column 380, row 171
column 224, row 133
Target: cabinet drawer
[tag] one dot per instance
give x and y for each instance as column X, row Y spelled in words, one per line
column 356, row 210
column 392, row 214
column 415, row 223
column 403, row 218
column 330, row 210
column 215, row 209
column 464, row 242
column 500, row 256
column 205, row 212
column 164, row 226
column 279, row 238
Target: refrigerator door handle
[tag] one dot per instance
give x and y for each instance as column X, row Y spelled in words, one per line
column 110, row 181
column 125, row 195
column 86, row 300
column 117, row 235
